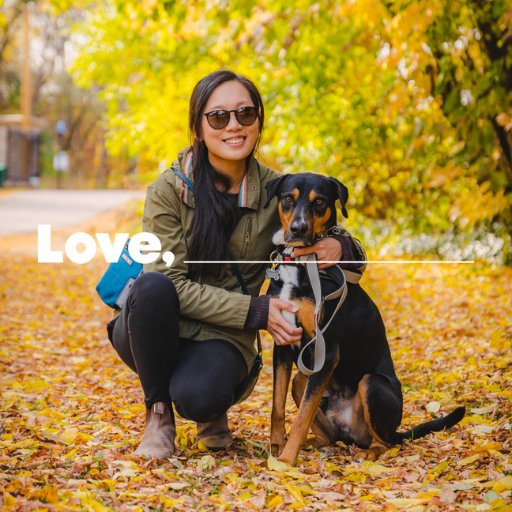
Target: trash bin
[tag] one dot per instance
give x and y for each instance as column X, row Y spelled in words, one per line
column 2, row 174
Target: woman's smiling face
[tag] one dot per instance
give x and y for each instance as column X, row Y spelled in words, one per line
column 234, row 142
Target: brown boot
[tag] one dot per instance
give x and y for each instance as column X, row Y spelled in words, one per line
column 215, row 435
column 158, row 438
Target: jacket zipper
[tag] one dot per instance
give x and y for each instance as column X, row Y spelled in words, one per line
column 248, row 226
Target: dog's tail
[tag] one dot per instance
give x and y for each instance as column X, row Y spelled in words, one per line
column 430, row 426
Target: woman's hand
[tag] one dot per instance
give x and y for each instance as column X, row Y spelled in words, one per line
column 327, row 249
column 282, row 332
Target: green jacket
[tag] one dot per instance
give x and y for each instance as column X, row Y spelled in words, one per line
column 214, row 307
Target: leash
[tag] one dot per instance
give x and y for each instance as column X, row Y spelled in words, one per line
column 311, row 263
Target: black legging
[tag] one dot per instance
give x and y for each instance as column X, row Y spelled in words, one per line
column 198, row 376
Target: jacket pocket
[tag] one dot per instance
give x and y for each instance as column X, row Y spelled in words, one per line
column 189, row 328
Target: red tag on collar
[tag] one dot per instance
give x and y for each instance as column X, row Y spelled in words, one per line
column 287, row 259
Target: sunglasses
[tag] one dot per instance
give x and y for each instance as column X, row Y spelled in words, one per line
column 219, row 119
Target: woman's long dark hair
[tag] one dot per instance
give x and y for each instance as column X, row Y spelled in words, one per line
column 215, row 209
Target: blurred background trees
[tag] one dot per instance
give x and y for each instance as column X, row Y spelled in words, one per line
column 55, row 96
column 409, row 103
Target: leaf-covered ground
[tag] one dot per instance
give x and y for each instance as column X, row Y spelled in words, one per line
column 71, row 414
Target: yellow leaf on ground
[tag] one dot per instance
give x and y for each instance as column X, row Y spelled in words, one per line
column 307, row 491
column 71, row 454
column 170, row 502
column 506, row 482
column 275, row 501
column 377, row 469
column 69, row 434
column 9, row 501
column 294, row 491
column 46, row 495
column 82, row 438
column 495, row 339
column 276, row 465
column 468, row 460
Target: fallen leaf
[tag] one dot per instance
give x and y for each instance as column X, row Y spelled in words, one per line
column 178, row 485
column 491, row 496
column 53, row 437
column 468, row 460
column 275, row 501
column 447, row 496
column 277, row 465
column 495, row 339
column 433, row 407
column 206, row 462
column 484, row 410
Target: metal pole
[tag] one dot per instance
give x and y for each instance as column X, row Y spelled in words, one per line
column 26, row 97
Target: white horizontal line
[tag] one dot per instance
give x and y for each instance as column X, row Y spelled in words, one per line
column 396, row 262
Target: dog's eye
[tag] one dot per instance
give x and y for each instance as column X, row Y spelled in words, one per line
column 319, row 201
column 288, row 199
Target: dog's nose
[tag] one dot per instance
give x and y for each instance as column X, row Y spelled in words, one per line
column 298, row 228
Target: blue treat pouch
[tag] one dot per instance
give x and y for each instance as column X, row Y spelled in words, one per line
column 116, row 283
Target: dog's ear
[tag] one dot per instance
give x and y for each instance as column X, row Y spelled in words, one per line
column 272, row 187
column 342, row 193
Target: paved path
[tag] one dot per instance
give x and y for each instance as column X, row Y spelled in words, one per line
column 21, row 212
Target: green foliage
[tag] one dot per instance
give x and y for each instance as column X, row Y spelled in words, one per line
column 357, row 90
column 46, row 153
column 466, row 53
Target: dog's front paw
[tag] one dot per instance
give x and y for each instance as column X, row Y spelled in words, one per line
column 362, row 456
column 313, row 443
column 277, row 448
column 372, row 454
column 278, row 440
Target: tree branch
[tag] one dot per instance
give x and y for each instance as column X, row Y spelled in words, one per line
column 503, row 140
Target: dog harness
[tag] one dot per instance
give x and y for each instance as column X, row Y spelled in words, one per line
column 311, row 263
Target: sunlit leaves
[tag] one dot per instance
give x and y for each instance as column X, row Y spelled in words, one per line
column 346, row 87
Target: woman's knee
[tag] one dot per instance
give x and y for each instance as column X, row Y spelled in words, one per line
column 201, row 407
column 154, row 288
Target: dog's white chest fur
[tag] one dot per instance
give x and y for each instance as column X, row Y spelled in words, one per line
column 289, row 276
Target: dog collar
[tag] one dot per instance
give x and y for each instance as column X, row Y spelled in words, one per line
column 278, row 258
column 335, row 230
column 283, row 258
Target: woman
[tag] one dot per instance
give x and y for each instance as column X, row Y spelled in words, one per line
column 187, row 330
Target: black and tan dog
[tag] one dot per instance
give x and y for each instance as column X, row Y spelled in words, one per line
column 356, row 397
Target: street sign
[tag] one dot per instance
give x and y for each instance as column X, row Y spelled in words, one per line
column 61, row 161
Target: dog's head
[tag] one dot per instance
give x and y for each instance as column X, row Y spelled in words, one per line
column 307, row 206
